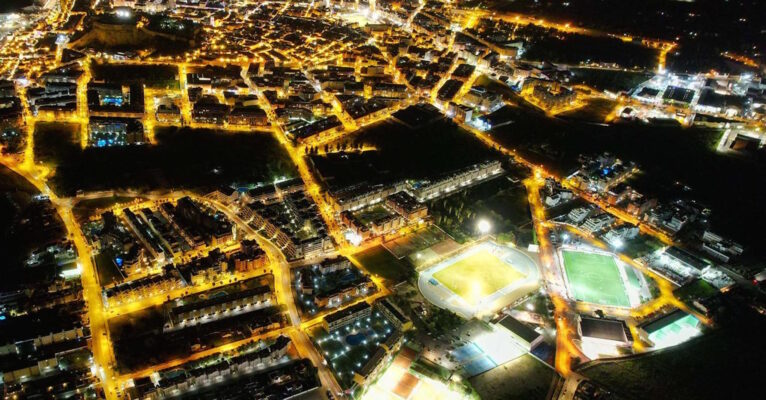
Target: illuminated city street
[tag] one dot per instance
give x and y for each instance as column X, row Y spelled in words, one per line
column 372, row 199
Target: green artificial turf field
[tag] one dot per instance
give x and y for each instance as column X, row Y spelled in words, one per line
column 595, row 278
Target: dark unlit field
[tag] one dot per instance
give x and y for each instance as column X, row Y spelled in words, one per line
column 182, row 158
column 525, row 378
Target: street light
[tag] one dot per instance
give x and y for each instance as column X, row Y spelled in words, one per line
column 123, row 13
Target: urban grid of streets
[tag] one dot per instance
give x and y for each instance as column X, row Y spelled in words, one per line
column 102, row 347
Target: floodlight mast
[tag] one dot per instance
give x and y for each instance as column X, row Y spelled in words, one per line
column 484, row 226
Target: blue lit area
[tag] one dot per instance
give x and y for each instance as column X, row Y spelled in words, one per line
column 112, row 101
column 108, row 142
column 111, row 133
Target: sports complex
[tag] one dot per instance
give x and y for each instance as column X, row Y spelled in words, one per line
column 599, row 278
column 480, row 279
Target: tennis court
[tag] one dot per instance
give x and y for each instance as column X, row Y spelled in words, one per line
column 487, row 350
column 685, row 327
column 417, row 241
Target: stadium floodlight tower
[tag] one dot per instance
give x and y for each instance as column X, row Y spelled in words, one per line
column 484, row 226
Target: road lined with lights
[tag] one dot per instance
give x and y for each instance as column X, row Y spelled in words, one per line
column 102, row 347
column 563, row 313
column 566, row 349
column 123, row 379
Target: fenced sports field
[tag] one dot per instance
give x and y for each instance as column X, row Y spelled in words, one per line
column 479, row 279
column 595, row 278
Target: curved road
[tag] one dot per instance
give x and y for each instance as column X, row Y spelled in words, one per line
column 103, row 354
column 282, row 286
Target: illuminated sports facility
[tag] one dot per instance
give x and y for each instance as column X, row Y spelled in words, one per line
column 480, row 279
column 599, row 278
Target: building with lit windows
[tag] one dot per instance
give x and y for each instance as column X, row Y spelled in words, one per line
column 347, row 316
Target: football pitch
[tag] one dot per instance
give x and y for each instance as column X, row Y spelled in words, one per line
column 595, row 278
column 477, row 276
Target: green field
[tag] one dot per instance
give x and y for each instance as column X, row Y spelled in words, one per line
column 477, row 276
column 595, row 278
column 379, row 261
